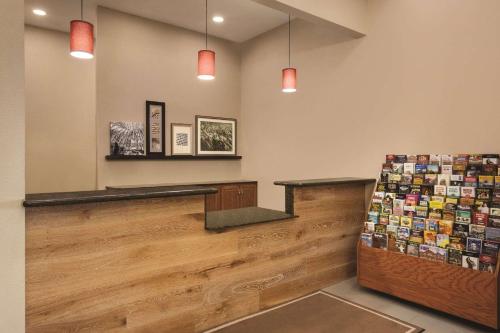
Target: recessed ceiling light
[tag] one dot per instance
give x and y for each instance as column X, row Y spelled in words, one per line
column 39, row 12
column 218, row 19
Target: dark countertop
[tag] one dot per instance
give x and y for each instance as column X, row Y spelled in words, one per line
column 68, row 198
column 324, row 181
column 201, row 183
column 219, row 220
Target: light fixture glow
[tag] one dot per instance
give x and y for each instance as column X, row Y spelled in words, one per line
column 81, row 55
column 206, row 57
column 206, row 77
column 289, row 74
column 39, row 12
column 218, row 19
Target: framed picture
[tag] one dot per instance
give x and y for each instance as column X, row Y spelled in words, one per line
column 155, row 128
column 215, row 136
column 181, row 142
column 126, row 138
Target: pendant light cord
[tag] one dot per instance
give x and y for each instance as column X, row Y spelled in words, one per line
column 81, row 9
column 206, row 24
column 289, row 41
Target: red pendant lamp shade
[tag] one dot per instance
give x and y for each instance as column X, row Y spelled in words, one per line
column 206, row 65
column 82, row 39
column 289, row 81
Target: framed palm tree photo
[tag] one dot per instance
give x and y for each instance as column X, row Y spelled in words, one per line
column 215, row 136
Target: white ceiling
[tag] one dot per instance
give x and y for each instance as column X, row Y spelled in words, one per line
column 243, row 19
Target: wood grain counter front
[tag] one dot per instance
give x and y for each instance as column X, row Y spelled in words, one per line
column 147, row 264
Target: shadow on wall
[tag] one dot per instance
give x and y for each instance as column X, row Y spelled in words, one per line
column 322, row 36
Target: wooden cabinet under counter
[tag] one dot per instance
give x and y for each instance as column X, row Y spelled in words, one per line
column 233, row 196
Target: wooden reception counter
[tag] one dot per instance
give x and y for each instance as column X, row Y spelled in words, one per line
column 142, row 259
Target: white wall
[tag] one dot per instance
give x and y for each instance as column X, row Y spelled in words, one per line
column 12, row 166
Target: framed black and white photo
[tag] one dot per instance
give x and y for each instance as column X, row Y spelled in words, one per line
column 181, row 142
column 155, row 128
column 215, row 136
column 126, row 138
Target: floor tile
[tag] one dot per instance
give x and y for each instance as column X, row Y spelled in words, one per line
column 431, row 321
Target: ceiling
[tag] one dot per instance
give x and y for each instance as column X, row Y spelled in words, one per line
column 243, row 19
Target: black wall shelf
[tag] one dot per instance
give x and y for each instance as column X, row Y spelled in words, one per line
column 169, row 158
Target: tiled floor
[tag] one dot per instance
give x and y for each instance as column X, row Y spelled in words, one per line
column 432, row 321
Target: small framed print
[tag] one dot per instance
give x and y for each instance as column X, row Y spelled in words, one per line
column 181, row 142
column 155, row 128
column 215, row 136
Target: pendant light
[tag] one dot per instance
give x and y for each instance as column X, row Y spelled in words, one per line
column 81, row 37
column 206, row 57
column 289, row 75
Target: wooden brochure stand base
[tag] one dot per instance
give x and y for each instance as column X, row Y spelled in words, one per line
column 461, row 292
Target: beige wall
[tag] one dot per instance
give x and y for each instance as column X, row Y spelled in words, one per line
column 60, row 115
column 141, row 60
column 426, row 71
column 429, row 63
column 12, row 167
